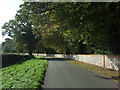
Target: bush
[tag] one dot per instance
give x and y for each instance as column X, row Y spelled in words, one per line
column 10, row 59
column 28, row 74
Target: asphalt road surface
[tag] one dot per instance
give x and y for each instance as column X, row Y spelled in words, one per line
column 63, row 74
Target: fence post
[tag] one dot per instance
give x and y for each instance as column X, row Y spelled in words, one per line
column 103, row 61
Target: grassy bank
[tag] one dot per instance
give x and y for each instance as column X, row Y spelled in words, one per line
column 111, row 74
column 28, row 74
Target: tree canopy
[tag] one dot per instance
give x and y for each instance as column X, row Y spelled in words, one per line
column 69, row 28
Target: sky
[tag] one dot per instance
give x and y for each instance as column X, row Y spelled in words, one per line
column 8, row 9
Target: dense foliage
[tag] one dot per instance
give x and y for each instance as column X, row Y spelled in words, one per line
column 8, row 46
column 72, row 28
column 10, row 59
column 28, row 74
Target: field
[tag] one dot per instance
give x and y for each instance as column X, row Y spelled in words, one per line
column 28, row 74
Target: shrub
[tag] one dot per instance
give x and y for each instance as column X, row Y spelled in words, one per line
column 28, row 74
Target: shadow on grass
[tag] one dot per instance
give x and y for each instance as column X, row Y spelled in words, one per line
column 11, row 59
column 103, row 77
column 112, row 78
column 116, row 78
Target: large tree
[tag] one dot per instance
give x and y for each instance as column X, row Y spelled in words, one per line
column 21, row 30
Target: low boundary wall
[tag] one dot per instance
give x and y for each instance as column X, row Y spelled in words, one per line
column 105, row 61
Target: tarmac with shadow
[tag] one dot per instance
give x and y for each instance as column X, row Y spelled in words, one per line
column 63, row 74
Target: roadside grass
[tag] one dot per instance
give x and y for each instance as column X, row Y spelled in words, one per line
column 111, row 74
column 38, row 57
column 28, row 74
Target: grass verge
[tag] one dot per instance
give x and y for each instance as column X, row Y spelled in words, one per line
column 28, row 74
column 114, row 75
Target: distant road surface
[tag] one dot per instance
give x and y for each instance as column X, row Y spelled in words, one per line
column 63, row 74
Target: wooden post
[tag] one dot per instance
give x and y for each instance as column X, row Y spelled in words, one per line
column 103, row 61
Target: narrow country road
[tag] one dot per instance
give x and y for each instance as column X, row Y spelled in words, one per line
column 63, row 74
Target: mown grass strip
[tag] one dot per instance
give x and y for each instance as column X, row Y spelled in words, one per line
column 115, row 75
column 29, row 74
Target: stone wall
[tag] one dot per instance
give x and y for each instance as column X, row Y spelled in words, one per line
column 106, row 61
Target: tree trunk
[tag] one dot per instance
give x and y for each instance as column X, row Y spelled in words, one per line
column 31, row 55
